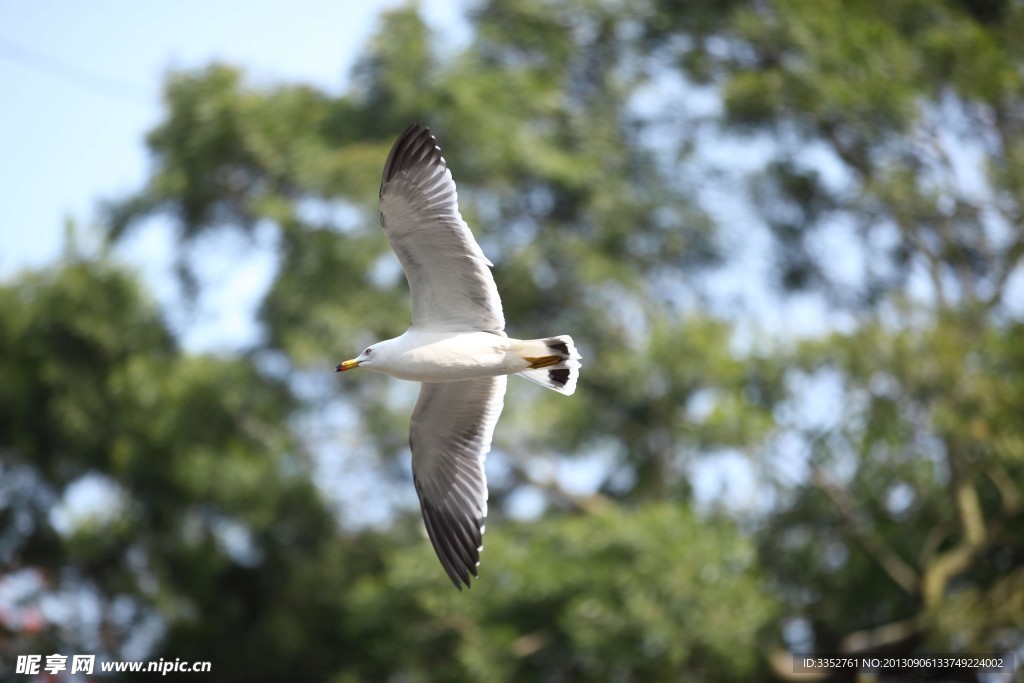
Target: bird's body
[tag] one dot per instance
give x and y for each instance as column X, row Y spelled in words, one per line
column 424, row 356
column 456, row 347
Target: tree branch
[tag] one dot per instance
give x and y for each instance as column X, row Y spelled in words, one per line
column 972, row 522
column 898, row 570
column 882, row 636
column 1007, row 489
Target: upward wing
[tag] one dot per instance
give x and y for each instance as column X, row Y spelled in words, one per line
column 450, row 435
column 449, row 276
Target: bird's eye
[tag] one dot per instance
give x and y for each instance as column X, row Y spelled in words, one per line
column 368, row 352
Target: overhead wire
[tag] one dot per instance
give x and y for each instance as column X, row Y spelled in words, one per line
column 87, row 79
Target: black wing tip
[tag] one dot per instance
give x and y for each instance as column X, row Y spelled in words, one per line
column 459, row 559
column 415, row 145
column 413, row 127
column 411, row 132
column 460, row 581
column 460, row 573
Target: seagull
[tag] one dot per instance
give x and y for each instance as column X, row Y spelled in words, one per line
column 456, row 347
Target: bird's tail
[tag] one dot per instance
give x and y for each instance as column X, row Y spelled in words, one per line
column 554, row 362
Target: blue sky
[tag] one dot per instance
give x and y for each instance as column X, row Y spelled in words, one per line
column 81, row 86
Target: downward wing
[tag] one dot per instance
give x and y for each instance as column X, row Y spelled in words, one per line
column 450, row 435
column 449, row 276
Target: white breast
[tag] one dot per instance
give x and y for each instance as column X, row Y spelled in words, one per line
column 447, row 357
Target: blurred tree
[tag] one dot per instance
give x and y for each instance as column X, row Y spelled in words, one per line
column 895, row 133
column 589, row 216
column 584, row 215
column 166, row 490
column 890, row 181
column 651, row 594
column 914, row 495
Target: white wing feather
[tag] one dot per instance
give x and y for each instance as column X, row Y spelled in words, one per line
column 450, row 436
column 449, row 276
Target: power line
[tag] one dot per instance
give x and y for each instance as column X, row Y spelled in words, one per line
column 73, row 75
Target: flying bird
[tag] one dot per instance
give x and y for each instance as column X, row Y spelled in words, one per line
column 456, row 346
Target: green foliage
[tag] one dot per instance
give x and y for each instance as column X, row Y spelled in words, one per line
column 215, row 527
column 395, row 78
column 207, row 495
column 585, row 203
column 911, row 495
column 890, row 449
column 928, row 520
column 564, row 599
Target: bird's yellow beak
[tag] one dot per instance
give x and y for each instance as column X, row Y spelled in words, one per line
column 347, row 365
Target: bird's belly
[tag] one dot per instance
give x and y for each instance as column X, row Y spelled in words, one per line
column 450, row 358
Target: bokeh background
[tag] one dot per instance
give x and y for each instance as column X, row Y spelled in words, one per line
column 786, row 236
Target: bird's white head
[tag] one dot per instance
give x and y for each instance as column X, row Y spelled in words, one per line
column 372, row 355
